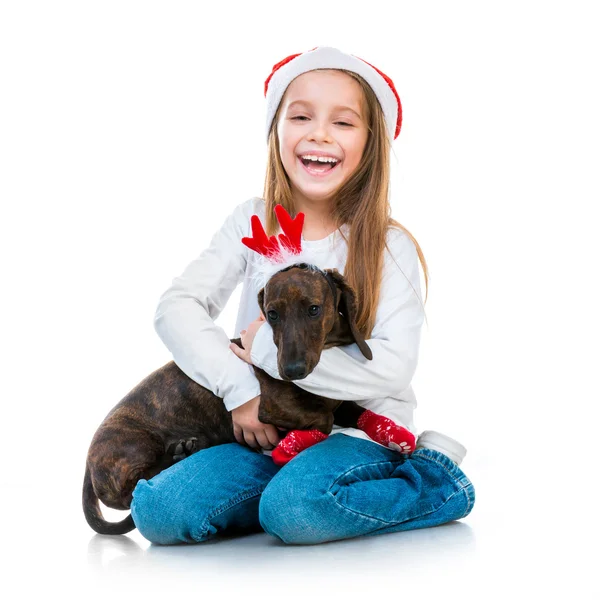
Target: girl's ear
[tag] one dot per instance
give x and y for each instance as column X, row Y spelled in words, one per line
column 347, row 306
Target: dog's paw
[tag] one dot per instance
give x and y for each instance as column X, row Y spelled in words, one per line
column 178, row 450
column 281, row 457
column 191, row 445
column 183, row 448
column 386, row 432
column 402, row 447
column 293, row 443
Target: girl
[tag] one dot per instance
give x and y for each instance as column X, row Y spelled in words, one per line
column 331, row 119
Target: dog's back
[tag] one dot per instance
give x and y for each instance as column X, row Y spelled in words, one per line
column 138, row 437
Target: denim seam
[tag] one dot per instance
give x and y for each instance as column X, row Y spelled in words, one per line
column 353, row 468
column 231, row 502
column 459, row 489
column 460, row 482
column 469, row 503
column 452, row 475
column 424, row 514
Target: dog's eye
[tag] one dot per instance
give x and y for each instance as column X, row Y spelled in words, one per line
column 272, row 314
column 314, row 310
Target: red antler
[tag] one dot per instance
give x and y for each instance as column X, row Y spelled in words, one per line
column 270, row 246
column 292, row 229
column 260, row 242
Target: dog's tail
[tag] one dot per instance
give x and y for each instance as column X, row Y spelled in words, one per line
column 93, row 515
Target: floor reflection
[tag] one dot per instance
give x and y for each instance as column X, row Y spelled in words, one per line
column 260, row 552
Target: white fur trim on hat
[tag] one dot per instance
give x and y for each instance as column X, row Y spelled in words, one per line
column 265, row 267
column 326, row 57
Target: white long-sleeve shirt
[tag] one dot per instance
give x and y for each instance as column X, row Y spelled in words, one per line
column 187, row 310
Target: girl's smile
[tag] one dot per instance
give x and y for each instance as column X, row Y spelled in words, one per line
column 317, row 168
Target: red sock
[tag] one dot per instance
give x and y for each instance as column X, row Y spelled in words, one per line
column 293, row 443
column 386, row 432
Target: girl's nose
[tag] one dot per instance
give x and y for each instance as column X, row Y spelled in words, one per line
column 319, row 131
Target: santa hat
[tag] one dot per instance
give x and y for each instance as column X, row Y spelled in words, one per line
column 283, row 251
column 325, row 57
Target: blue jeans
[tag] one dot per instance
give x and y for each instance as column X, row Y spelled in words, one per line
column 340, row 488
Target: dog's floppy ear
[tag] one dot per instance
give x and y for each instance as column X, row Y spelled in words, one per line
column 347, row 306
column 261, row 300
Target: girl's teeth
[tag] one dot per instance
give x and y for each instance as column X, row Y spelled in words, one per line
column 319, row 158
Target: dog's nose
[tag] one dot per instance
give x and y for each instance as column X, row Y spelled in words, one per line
column 295, row 370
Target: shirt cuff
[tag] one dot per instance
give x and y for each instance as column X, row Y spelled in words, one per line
column 243, row 385
column 240, row 396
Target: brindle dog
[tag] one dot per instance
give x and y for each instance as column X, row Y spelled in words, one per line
column 168, row 416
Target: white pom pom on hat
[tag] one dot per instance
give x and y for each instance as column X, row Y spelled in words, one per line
column 326, row 57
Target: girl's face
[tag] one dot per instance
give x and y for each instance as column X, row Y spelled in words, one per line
column 321, row 114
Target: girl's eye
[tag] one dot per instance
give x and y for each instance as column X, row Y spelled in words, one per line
column 337, row 122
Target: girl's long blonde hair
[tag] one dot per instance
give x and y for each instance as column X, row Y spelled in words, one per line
column 362, row 202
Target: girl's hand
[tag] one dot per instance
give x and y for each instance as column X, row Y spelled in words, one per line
column 247, row 337
column 249, row 430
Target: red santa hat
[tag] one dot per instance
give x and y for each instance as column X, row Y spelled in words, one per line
column 325, row 57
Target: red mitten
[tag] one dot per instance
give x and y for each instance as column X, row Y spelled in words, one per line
column 294, row 442
column 386, row 432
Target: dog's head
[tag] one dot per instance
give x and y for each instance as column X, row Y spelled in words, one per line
column 309, row 310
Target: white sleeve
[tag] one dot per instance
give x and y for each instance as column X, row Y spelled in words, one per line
column 343, row 373
column 186, row 311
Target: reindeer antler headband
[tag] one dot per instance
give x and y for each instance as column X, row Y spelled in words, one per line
column 284, row 251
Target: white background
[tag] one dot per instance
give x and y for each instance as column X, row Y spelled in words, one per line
column 130, row 130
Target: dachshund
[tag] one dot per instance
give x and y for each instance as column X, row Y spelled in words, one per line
column 168, row 416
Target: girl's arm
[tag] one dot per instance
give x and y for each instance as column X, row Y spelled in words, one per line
column 343, row 373
column 186, row 311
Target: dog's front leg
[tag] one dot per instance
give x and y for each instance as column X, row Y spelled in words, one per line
column 285, row 405
column 379, row 428
column 295, row 442
column 308, row 418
